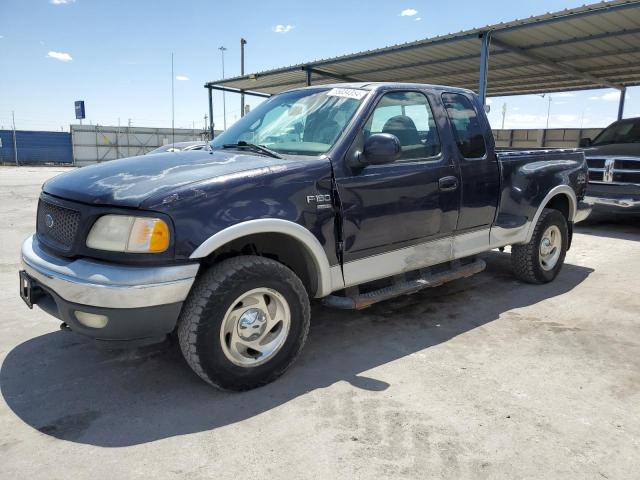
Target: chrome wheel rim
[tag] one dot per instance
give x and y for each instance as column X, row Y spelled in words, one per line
column 550, row 247
column 255, row 327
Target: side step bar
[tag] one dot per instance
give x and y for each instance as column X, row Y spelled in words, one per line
column 427, row 278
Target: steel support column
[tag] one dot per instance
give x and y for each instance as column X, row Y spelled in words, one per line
column 210, row 113
column 308, row 71
column 484, row 65
column 623, row 95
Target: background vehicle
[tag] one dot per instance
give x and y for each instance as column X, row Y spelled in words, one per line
column 614, row 168
column 351, row 193
column 178, row 147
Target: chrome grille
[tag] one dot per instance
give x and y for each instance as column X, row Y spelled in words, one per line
column 57, row 225
column 614, row 170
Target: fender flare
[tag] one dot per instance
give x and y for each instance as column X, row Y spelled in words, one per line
column 555, row 191
column 274, row 225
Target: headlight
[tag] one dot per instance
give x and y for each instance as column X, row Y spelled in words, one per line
column 122, row 233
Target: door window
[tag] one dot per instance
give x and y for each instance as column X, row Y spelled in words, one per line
column 465, row 124
column 408, row 116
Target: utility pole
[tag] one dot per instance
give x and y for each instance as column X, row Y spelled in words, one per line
column 243, row 42
column 504, row 113
column 15, row 144
column 224, row 103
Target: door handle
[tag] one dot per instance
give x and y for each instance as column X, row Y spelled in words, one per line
column 448, row 184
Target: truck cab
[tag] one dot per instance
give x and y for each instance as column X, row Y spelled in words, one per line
column 349, row 194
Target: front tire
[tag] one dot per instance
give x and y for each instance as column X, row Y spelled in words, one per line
column 244, row 322
column 540, row 260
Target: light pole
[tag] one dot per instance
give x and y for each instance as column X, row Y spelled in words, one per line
column 224, row 102
column 548, row 111
column 548, row 107
column 504, row 113
column 173, row 106
column 243, row 42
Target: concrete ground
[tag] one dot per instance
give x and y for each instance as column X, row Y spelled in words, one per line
column 482, row 378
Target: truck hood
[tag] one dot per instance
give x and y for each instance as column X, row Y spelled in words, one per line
column 129, row 181
column 613, row 149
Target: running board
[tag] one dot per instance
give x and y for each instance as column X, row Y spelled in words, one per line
column 428, row 278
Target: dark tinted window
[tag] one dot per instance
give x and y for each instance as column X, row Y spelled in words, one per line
column 625, row 131
column 408, row 116
column 466, row 125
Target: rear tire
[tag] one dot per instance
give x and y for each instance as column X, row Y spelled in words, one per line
column 244, row 322
column 540, row 260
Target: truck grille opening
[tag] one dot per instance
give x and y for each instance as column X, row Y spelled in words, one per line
column 57, row 225
column 614, row 170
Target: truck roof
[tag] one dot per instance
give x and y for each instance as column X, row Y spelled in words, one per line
column 384, row 85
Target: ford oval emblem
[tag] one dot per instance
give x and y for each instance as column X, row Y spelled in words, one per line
column 48, row 220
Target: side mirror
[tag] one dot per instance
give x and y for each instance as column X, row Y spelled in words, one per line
column 379, row 148
column 584, row 142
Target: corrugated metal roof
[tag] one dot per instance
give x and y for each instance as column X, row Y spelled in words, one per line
column 592, row 46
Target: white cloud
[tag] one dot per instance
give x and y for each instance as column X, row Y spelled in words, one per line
column 408, row 12
column 564, row 94
column 282, row 28
column 565, row 118
column 182, row 77
column 61, row 2
column 489, row 101
column 608, row 97
column 62, row 56
column 418, row 19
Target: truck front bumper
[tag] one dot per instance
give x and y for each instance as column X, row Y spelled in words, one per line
column 614, row 205
column 107, row 301
column 613, row 198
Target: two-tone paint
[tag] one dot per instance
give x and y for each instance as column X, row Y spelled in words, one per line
column 356, row 224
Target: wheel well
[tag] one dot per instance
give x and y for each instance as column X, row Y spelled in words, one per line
column 276, row 246
column 561, row 203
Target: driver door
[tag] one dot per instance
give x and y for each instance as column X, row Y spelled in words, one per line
column 399, row 216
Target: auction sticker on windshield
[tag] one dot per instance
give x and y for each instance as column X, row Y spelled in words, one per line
column 348, row 93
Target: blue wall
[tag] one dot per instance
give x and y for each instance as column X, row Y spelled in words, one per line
column 36, row 147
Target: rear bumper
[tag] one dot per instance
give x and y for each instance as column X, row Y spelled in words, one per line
column 138, row 302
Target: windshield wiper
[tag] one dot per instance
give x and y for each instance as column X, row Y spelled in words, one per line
column 252, row 146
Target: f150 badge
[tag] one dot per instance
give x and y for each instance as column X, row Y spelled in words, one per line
column 322, row 201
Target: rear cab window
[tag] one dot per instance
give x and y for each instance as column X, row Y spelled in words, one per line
column 465, row 125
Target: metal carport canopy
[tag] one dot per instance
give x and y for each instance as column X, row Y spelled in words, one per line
column 592, row 46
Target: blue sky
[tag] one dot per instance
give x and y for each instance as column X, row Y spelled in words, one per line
column 115, row 54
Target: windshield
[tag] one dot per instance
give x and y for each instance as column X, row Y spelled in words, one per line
column 626, row 131
column 301, row 122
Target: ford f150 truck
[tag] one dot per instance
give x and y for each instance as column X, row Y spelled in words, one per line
column 350, row 193
column 613, row 158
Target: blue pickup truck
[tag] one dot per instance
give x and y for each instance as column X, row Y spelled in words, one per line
column 349, row 193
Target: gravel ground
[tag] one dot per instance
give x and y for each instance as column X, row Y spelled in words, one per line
column 485, row 377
